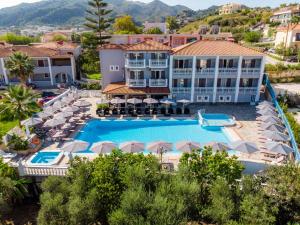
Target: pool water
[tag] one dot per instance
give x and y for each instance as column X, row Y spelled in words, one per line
column 147, row 131
column 215, row 119
column 44, row 157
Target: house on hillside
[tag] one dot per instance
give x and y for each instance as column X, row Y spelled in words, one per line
column 230, row 8
column 202, row 71
column 289, row 36
column 285, row 15
column 54, row 63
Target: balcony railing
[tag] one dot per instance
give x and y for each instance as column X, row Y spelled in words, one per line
column 135, row 63
column 204, row 90
column 248, row 90
column 158, row 82
column 227, row 71
column 250, row 71
column 181, row 90
column 205, row 71
column 183, row 71
column 158, row 63
column 136, row 82
column 226, row 90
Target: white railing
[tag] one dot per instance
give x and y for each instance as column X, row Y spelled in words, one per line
column 205, row 71
column 136, row 82
column 183, row 71
column 57, row 98
column 181, row 90
column 204, row 90
column 158, row 63
column 251, row 71
column 227, row 71
column 158, row 82
column 25, row 170
column 226, row 90
column 248, row 90
column 135, row 63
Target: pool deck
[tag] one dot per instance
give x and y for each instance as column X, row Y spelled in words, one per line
column 247, row 128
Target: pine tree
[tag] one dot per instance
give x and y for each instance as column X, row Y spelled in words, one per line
column 98, row 20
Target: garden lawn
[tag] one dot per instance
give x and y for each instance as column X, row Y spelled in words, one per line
column 95, row 76
column 6, row 126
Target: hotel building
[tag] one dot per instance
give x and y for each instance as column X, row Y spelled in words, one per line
column 202, row 71
column 54, row 63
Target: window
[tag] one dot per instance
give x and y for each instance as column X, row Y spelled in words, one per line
column 182, row 63
column 136, row 75
column 158, row 74
column 298, row 37
column 114, row 68
column 201, row 82
column 46, row 75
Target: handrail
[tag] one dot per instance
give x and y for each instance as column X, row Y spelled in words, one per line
column 57, row 98
column 285, row 120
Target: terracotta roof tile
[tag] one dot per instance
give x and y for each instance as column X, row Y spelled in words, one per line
column 113, row 46
column 215, row 48
column 148, row 46
column 32, row 51
column 289, row 27
column 59, row 45
column 121, row 89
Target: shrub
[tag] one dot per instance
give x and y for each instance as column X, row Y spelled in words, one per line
column 90, row 86
column 17, row 143
column 102, row 106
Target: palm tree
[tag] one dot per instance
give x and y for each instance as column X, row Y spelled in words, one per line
column 20, row 66
column 19, row 102
column 12, row 187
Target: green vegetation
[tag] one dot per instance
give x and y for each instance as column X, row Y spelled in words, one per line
column 132, row 189
column 17, row 143
column 94, row 76
column 12, row 188
column 6, row 126
column 282, row 50
column 172, row 23
column 154, row 30
column 125, row 25
column 12, row 38
column 237, row 23
column 97, row 20
column 90, row 86
column 280, row 67
column 19, row 103
column 285, row 102
column 252, row 36
column 20, row 66
column 59, row 37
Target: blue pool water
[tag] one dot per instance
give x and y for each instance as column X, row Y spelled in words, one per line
column 44, row 157
column 148, row 131
column 215, row 119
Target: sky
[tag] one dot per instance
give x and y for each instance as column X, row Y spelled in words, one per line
column 193, row 4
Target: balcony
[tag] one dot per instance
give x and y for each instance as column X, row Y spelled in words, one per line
column 158, row 83
column 135, row 63
column 227, row 71
column 205, row 72
column 181, row 90
column 158, row 63
column 250, row 71
column 136, row 82
column 182, row 71
column 248, row 90
column 204, row 90
column 226, row 90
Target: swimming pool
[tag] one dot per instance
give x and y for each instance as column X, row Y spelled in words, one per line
column 215, row 119
column 45, row 158
column 147, row 131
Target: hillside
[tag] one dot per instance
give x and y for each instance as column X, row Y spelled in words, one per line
column 235, row 23
column 72, row 12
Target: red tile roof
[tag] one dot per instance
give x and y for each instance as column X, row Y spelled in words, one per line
column 289, row 27
column 148, row 45
column 121, row 88
column 32, row 51
column 58, row 45
column 215, row 48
